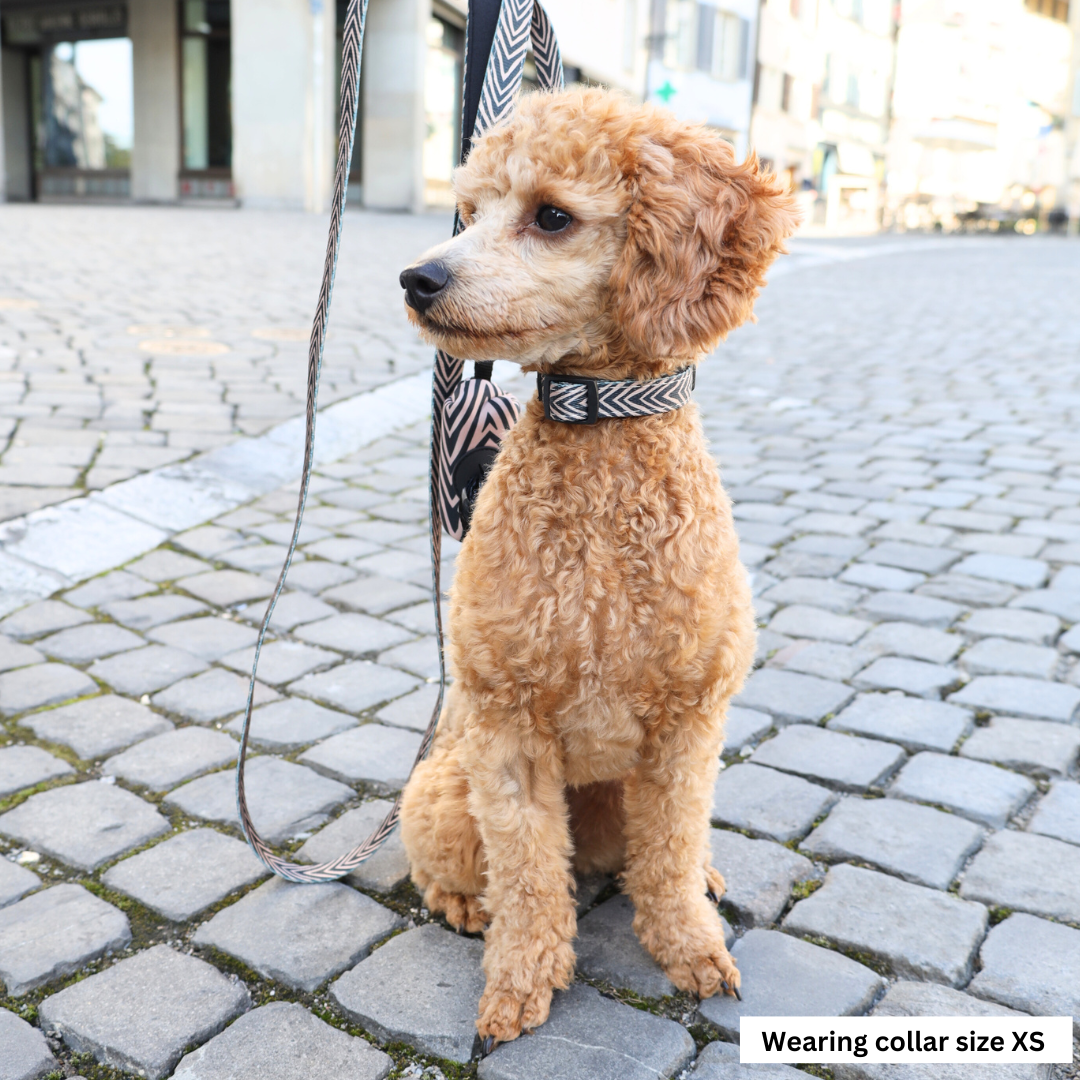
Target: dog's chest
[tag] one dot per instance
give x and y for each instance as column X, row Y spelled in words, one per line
column 595, row 569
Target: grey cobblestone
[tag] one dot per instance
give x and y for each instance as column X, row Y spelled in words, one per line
column 918, row 932
column 924, row 610
column 842, row 761
column 38, row 620
column 768, row 803
column 97, row 725
column 999, row 656
column 13, row 655
column 291, row 722
column 166, row 760
column 1058, row 813
column 371, row 754
column 759, row 875
column 1039, row 747
column 150, row 611
column 187, row 873
column 917, row 642
column 208, row 638
column 914, row 842
column 791, row 978
column 42, row 684
column 147, row 669
column 790, row 698
column 24, row 766
column 300, row 935
column 914, row 724
column 912, row 676
column 1018, row 696
column 24, row 1053
column 55, row 932
column 15, row 882
column 385, row 870
column 141, row 1014
column 211, row 696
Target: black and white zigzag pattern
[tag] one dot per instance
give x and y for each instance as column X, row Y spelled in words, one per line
column 621, row 399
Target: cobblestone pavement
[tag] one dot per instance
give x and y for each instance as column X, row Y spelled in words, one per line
column 898, row 816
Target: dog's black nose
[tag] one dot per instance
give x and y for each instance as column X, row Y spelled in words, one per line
column 422, row 284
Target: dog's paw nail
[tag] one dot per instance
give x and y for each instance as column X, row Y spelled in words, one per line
column 737, row 994
column 723, row 985
column 487, row 1045
column 712, row 896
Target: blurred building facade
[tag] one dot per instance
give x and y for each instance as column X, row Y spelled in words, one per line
column 902, row 113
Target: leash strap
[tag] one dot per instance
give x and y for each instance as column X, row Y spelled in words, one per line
column 501, row 81
column 577, row 399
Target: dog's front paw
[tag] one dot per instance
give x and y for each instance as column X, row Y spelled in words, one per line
column 706, row 972
column 714, row 884
column 689, row 946
column 518, row 998
column 462, row 912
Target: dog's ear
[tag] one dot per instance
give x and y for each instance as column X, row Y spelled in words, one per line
column 701, row 232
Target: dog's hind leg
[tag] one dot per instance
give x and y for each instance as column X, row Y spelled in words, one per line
column 596, row 824
column 440, row 835
column 667, row 800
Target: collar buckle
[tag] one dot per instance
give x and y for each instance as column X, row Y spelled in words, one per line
column 592, row 396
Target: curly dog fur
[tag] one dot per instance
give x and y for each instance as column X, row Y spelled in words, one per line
column 599, row 620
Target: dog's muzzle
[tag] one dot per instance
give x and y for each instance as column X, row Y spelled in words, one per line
column 423, row 284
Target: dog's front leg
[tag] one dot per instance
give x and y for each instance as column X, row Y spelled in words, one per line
column 516, row 795
column 667, row 800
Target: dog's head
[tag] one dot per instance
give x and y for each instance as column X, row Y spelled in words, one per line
column 599, row 236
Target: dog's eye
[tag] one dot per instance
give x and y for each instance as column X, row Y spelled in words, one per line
column 552, row 219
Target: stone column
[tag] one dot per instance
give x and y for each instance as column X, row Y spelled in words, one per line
column 395, row 55
column 155, row 155
column 284, row 109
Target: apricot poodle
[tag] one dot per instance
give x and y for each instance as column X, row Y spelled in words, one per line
column 600, row 620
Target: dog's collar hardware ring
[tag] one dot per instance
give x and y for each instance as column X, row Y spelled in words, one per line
column 579, row 399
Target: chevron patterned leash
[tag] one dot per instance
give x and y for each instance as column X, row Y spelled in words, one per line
column 573, row 399
column 501, row 81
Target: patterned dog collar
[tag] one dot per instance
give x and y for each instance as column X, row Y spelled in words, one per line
column 577, row 399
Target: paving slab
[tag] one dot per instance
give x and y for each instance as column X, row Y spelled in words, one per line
column 1026, row 872
column 371, row 754
column 802, row 621
column 914, row 677
column 917, row 642
column 906, row 607
column 1002, row 656
column 1018, row 696
column 24, row 1053
column 163, row 761
column 142, row 671
column 1027, row 573
column 224, row 588
column 588, row 1035
column 914, row 842
column 210, row 638
column 85, row 824
column 768, row 803
column 790, row 698
column 758, row 875
column 913, row 723
column 353, row 634
column 315, row 575
column 931, row 999
column 385, row 870
column 918, row 932
column 293, row 609
column 141, row 1014
column 81, row 644
column 377, row 595
column 414, row 710
column 1062, row 602
column 1030, row 964
column 15, row 882
column 117, row 585
column 967, row 590
column 973, row 789
column 291, row 722
column 782, row 976
column 300, row 935
column 873, row 576
column 815, row 592
column 42, row 618
column 845, row 762
column 14, row 655
column 186, row 874
column 281, row 661
column 285, row 800
column 97, row 726
column 24, row 766
column 1058, row 813
column 744, row 726
column 211, row 696
column 1038, row 747
column 421, row 988
column 824, row 659
column 720, row 1061
column 150, row 611
column 43, row 684
column 917, row 557
column 283, row 1041
column 55, row 932
column 209, row 540
column 165, row 565
column 355, row 686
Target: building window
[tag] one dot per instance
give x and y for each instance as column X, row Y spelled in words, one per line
column 1052, row 9
column 205, row 72
column 701, row 37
